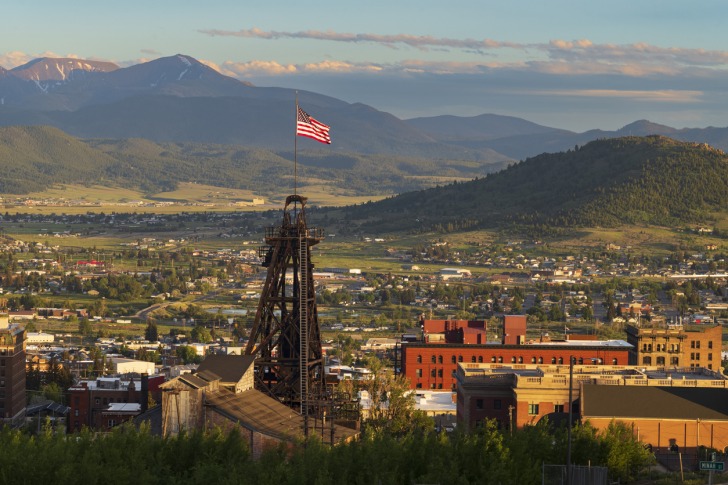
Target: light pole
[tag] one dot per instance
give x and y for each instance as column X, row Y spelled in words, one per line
column 568, row 431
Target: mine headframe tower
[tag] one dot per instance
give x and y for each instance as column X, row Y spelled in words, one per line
column 285, row 337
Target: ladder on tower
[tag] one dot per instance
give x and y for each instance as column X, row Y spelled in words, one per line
column 303, row 324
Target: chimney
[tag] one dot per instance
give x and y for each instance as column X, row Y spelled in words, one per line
column 145, row 392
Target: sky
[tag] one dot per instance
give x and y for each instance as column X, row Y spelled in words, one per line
column 576, row 65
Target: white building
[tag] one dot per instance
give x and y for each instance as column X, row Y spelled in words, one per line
column 40, row 338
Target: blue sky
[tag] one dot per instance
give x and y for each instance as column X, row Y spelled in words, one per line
column 569, row 64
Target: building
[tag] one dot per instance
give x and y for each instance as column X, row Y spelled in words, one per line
column 520, row 395
column 91, row 401
column 121, row 365
column 432, row 363
column 205, row 400
column 12, row 371
column 40, row 338
column 675, row 345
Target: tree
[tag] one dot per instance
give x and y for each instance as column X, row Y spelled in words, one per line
column 151, row 333
column 84, row 327
column 392, row 409
column 201, row 334
column 187, row 354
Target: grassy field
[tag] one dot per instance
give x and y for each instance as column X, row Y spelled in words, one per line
column 189, row 197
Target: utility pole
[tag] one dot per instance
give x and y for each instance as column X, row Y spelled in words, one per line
column 571, row 417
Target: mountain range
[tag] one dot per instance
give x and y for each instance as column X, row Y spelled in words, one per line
column 179, row 99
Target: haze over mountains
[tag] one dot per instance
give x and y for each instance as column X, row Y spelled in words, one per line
column 179, row 99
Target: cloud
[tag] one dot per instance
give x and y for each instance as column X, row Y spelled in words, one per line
column 392, row 41
column 583, row 55
column 151, row 52
column 664, row 96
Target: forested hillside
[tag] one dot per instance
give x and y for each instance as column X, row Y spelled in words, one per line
column 35, row 158
column 653, row 180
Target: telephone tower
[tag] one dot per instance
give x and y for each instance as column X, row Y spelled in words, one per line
column 285, row 337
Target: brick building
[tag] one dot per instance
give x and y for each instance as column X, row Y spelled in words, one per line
column 12, row 372
column 520, row 395
column 675, row 345
column 91, row 401
column 431, row 363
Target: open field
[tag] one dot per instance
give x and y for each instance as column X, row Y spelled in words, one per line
column 189, row 197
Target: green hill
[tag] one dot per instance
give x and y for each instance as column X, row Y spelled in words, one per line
column 651, row 180
column 35, row 158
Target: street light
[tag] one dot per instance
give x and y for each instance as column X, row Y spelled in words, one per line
column 568, row 431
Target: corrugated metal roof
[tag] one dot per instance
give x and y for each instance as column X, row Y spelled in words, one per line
column 651, row 402
column 254, row 410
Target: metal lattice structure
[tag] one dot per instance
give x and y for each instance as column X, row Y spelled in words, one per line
column 285, row 337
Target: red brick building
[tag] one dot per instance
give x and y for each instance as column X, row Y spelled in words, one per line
column 90, row 401
column 431, row 363
column 12, row 371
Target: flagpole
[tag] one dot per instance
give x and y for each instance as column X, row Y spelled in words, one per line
column 295, row 151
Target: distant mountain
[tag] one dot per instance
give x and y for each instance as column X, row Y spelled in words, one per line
column 47, row 69
column 519, row 139
column 482, row 127
column 650, row 180
column 179, row 99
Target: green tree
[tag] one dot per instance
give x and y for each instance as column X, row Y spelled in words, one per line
column 151, row 333
column 201, row 334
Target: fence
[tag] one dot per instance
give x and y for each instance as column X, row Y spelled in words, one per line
column 580, row 475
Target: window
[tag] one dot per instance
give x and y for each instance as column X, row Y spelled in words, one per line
column 75, row 412
column 660, row 361
column 112, row 423
column 692, row 344
column 710, row 356
column 433, row 360
column 492, row 359
column 497, row 404
column 480, row 359
column 500, row 359
column 454, row 359
column 710, row 344
column 674, row 360
column 433, row 386
column 460, row 358
column 418, row 372
column 558, row 408
column 419, row 359
column 647, row 360
column 533, row 409
column 533, row 360
column 697, row 356
column 439, row 386
column 439, row 372
column 581, row 360
column 520, row 360
column 478, row 404
column 540, row 360
column 419, row 385
column 439, row 359
column 697, row 344
column 553, row 360
column 433, row 373
column 561, row 360
column 513, row 359
column 472, row 359
column 614, row 361
column 97, row 401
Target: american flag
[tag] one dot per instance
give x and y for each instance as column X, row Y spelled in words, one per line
column 309, row 127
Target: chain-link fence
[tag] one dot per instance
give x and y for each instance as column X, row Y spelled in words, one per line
column 580, row 475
